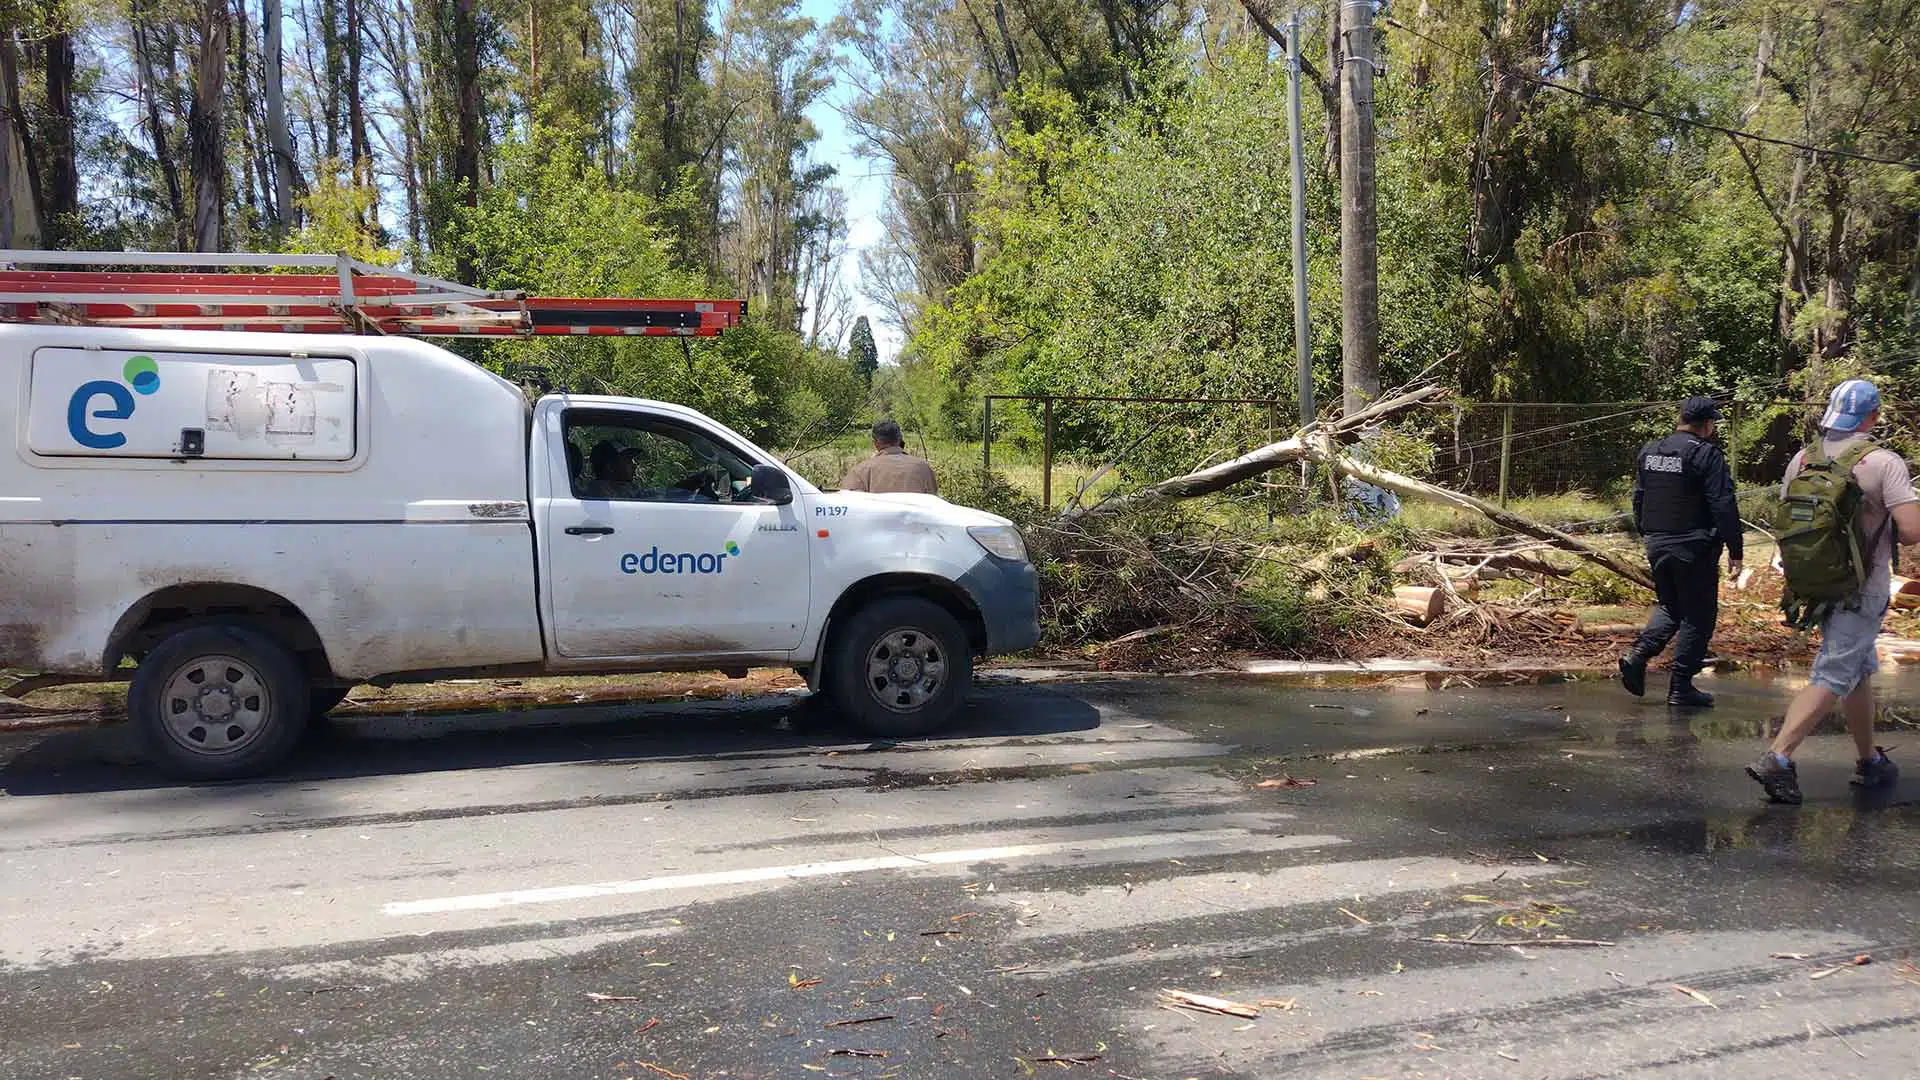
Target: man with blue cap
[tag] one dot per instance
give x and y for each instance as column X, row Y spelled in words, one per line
column 1685, row 510
column 1888, row 513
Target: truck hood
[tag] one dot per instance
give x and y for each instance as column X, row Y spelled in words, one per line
column 931, row 506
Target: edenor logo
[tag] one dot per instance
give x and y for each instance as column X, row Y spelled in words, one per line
column 656, row 561
column 141, row 373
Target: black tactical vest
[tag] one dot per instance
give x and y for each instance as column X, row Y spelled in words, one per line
column 1672, row 498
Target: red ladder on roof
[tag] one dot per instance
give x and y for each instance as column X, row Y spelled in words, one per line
column 356, row 298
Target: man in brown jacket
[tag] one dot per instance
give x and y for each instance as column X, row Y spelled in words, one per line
column 891, row 468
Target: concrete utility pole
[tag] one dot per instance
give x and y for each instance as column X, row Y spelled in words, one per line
column 1302, row 341
column 1359, row 279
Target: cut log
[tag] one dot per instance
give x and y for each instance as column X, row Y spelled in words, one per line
column 1420, row 604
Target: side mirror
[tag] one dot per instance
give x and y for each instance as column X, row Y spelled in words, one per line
column 770, row 484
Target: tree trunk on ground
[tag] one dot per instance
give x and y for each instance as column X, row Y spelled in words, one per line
column 206, row 128
column 1320, row 444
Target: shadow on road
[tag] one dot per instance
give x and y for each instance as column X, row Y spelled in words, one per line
column 107, row 759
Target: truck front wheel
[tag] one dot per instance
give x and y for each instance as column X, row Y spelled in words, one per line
column 218, row 701
column 900, row 667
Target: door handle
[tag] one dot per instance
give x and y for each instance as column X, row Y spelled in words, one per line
column 589, row 530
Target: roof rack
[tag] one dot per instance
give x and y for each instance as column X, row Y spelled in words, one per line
column 356, row 298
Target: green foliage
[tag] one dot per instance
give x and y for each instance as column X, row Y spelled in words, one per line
column 337, row 217
column 866, row 355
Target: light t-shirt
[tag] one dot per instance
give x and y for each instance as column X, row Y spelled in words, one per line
column 1884, row 479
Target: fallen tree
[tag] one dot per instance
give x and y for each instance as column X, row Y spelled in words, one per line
column 1320, row 444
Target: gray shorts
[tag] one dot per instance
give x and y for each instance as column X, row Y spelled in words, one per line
column 1848, row 655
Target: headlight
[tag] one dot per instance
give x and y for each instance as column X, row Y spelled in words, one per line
column 1001, row 542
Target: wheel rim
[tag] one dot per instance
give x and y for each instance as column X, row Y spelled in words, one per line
column 215, row 705
column 906, row 668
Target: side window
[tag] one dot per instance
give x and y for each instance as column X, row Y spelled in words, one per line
column 638, row 458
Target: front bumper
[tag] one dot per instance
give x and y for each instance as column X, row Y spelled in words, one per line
column 1008, row 596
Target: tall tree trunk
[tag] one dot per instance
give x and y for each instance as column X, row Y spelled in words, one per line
column 205, row 129
column 393, row 39
column 357, row 142
column 335, row 75
column 253, row 163
column 63, row 173
column 157, row 131
column 20, row 196
column 1835, row 335
column 279, row 135
column 465, row 45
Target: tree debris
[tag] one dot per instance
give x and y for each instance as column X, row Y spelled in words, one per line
column 1287, row 780
column 859, row 1020
column 1572, row 943
column 851, row 1052
column 1859, row 961
column 1064, row 1059
column 1695, row 995
column 658, row 1071
column 1321, row 442
column 1182, row 999
column 603, row 998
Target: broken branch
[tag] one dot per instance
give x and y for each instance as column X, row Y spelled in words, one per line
column 1572, row 943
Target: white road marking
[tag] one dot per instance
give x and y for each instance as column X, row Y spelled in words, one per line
column 413, row 966
column 752, row 875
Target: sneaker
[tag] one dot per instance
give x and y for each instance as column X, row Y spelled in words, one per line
column 1633, row 675
column 1876, row 772
column 1781, row 781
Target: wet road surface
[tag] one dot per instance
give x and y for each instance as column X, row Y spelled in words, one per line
column 741, row 891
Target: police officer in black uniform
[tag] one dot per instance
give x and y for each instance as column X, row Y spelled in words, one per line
column 1684, row 508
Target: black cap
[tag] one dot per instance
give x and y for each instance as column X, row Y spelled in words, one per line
column 1698, row 409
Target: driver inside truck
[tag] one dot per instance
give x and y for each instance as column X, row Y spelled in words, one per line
column 612, row 471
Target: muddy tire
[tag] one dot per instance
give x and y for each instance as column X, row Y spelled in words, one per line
column 900, row 667
column 219, row 701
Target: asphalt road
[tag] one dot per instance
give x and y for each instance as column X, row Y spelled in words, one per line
column 740, row 891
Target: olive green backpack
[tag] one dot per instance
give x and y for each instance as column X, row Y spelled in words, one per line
column 1822, row 551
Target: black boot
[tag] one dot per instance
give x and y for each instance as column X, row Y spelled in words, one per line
column 1682, row 694
column 1633, row 673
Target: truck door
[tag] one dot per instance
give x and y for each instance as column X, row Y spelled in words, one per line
column 655, row 547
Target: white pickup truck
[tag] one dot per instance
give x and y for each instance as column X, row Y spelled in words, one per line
column 260, row 521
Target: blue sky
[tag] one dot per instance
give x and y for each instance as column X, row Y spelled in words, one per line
column 864, row 181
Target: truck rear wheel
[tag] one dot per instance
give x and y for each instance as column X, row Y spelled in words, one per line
column 219, row 701
column 900, row 667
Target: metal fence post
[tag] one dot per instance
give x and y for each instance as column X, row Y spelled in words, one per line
column 1046, row 456
column 1733, row 446
column 986, row 439
column 1506, row 452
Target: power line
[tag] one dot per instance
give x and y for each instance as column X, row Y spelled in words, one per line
column 1603, row 99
